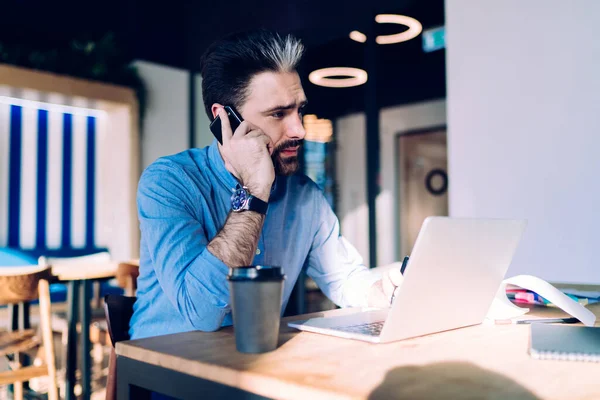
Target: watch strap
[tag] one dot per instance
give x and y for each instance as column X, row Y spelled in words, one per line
column 257, row 205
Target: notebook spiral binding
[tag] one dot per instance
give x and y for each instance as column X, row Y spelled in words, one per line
column 560, row 356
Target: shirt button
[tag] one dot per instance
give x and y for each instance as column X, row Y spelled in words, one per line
column 257, row 252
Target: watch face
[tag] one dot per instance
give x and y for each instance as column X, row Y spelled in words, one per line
column 239, row 199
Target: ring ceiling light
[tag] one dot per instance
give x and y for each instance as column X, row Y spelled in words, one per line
column 323, row 77
column 414, row 29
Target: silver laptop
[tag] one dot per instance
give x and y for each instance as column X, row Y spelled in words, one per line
column 454, row 271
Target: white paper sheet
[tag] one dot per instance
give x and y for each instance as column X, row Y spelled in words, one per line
column 503, row 309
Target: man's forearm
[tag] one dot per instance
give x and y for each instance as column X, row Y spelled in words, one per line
column 236, row 243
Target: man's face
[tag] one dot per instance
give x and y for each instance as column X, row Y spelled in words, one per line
column 275, row 104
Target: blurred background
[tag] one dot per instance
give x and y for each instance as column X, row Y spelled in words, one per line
column 456, row 107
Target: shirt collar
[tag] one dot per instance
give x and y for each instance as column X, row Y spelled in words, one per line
column 225, row 177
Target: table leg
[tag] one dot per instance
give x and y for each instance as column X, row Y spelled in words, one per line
column 84, row 300
column 14, row 317
column 71, row 358
column 125, row 388
column 14, row 325
column 24, row 323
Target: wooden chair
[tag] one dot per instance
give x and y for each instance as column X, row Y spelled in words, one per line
column 127, row 275
column 19, row 285
column 118, row 310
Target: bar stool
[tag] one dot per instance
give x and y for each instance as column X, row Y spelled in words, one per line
column 21, row 284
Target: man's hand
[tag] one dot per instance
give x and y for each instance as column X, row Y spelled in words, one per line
column 247, row 155
column 381, row 292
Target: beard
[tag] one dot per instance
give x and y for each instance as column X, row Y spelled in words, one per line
column 286, row 166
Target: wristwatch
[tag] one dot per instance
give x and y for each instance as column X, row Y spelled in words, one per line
column 242, row 200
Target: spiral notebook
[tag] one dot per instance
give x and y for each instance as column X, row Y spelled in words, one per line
column 562, row 342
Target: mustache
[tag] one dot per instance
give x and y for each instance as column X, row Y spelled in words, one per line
column 287, row 145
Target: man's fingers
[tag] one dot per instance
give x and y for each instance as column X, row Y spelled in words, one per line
column 378, row 296
column 226, row 133
column 254, row 133
column 266, row 140
column 260, row 135
column 244, row 128
column 395, row 276
column 387, row 285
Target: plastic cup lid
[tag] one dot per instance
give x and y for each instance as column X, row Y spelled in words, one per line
column 255, row 273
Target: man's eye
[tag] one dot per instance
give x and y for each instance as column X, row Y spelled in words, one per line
column 277, row 114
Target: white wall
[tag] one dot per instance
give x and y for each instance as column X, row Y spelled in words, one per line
column 524, row 124
column 351, row 173
column 166, row 122
column 351, row 170
column 204, row 136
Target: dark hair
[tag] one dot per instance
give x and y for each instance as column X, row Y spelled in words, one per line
column 229, row 64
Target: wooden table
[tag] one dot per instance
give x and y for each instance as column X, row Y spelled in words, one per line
column 80, row 278
column 484, row 361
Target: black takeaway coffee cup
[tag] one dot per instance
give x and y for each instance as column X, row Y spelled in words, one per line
column 256, row 296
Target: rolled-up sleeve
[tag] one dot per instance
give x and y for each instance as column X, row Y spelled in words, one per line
column 193, row 279
column 334, row 264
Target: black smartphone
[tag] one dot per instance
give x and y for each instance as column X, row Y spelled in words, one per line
column 234, row 120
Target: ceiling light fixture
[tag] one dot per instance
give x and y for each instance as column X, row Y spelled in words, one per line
column 323, row 77
column 358, row 36
column 414, row 29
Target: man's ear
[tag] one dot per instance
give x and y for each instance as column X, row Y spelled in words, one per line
column 215, row 109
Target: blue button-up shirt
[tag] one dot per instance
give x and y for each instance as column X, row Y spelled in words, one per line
column 183, row 202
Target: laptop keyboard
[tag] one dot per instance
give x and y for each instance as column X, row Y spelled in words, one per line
column 370, row 329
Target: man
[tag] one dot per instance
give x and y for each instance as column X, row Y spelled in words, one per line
column 191, row 236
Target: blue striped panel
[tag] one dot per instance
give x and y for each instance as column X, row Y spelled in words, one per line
column 67, row 179
column 42, row 178
column 14, row 176
column 90, row 182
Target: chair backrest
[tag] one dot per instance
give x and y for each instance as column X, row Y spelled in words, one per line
column 118, row 311
column 20, row 284
column 127, row 274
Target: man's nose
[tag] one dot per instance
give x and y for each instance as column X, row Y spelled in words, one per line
column 296, row 128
